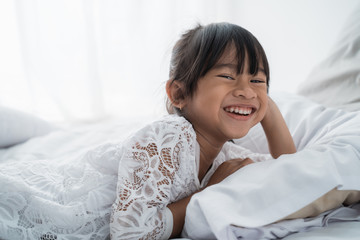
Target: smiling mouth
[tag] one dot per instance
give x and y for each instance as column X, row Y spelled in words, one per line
column 241, row 111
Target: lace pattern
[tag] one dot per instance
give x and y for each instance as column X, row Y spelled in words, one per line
column 158, row 167
column 77, row 193
column 67, row 198
column 151, row 175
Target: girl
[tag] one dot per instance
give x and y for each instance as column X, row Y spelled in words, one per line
column 217, row 91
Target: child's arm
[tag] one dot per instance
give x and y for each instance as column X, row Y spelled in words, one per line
column 277, row 133
column 178, row 208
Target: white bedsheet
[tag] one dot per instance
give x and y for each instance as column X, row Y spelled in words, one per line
column 62, row 185
column 282, row 229
column 328, row 156
column 334, row 231
column 64, row 158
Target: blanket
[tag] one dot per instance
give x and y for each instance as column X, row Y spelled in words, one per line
column 328, row 157
column 63, row 184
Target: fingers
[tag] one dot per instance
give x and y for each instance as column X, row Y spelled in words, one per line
column 246, row 161
column 227, row 168
column 238, row 163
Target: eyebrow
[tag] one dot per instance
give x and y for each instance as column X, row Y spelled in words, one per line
column 226, row 65
column 234, row 67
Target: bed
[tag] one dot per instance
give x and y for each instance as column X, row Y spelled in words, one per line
column 54, row 180
column 255, row 200
column 54, row 186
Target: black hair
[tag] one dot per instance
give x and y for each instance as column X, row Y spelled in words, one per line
column 200, row 48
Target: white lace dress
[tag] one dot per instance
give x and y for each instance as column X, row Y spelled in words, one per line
column 60, row 198
column 61, row 186
column 159, row 165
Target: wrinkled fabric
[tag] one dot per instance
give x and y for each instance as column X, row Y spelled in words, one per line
column 328, row 157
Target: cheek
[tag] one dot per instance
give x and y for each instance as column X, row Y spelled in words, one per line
column 210, row 97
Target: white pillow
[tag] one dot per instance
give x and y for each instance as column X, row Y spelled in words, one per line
column 328, row 157
column 336, row 81
column 17, row 127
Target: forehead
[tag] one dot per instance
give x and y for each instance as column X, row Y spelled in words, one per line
column 229, row 55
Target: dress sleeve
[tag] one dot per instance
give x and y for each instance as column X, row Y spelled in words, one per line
column 233, row 150
column 148, row 165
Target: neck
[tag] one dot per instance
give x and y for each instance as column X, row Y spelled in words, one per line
column 208, row 151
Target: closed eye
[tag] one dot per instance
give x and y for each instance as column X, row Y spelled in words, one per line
column 227, row 77
column 257, row 81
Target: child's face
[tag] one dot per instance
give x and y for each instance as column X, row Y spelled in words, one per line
column 225, row 104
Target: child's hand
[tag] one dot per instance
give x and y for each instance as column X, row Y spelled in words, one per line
column 272, row 114
column 227, row 168
column 277, row 133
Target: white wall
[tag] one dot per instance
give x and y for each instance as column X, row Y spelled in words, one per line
column 295, row 34
column 87, row 59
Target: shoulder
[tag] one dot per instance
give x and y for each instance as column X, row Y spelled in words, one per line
column 164, row 147
column 171, row 134
column 172, row 122
column 165, row 128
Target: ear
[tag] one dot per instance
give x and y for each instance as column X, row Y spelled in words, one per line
column 175, row 93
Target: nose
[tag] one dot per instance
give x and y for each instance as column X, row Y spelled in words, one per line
column 244, row 90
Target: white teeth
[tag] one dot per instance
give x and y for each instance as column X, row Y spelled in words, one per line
column 238, row 110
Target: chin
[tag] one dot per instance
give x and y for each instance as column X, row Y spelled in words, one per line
column 239, row 135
